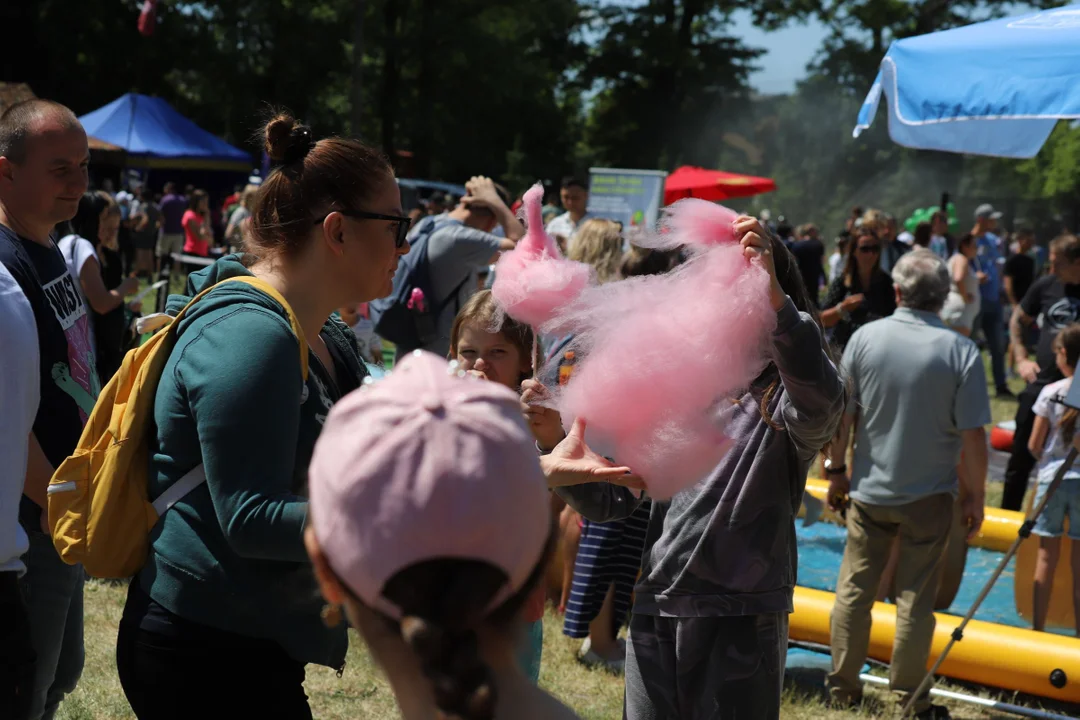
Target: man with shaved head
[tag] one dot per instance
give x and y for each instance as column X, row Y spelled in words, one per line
column 43, row 173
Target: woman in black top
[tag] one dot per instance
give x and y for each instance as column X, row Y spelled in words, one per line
column 101, row 277
column 863, row 293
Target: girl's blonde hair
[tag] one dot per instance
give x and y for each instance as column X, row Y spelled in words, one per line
column 481, row 310
column 598, row 243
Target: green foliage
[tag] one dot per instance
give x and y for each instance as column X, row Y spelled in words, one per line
column 526, row 90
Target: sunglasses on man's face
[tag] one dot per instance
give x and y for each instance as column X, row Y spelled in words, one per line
column 403, row 223
column 869, row 249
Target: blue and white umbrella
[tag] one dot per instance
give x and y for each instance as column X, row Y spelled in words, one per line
column 992, row 88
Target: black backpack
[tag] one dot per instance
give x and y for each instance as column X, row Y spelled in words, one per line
column 412, row 328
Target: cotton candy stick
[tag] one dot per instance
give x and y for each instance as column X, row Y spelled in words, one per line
column 533, row 280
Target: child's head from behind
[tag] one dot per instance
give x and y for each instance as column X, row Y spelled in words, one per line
column 1067, row 349
column 430, row 524
column 485, row 339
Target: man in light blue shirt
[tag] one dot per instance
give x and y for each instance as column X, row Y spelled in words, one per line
column 918, row 399
column 989, row 263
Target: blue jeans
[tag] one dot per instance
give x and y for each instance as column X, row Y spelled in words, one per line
column 54, row 598
column 991, row 320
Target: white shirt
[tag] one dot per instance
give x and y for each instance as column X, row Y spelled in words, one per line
column 19, row 395
column 76, row 251
column 1051, row 405
column 565, row 226
column 836, row 265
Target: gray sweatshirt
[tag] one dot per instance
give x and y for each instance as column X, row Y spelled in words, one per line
column 727, row 545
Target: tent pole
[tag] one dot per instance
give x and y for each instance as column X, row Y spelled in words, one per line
column 131, row 120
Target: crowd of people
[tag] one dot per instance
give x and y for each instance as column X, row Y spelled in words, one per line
column 415, row 506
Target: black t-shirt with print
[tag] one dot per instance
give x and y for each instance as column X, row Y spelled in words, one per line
column 69, row 382
column 1054, row 305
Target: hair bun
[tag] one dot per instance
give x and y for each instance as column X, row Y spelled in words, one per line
column 287, row 141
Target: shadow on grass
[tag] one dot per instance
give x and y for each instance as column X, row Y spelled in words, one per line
column 806, row 686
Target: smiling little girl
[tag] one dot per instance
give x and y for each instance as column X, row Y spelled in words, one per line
column 491, row 345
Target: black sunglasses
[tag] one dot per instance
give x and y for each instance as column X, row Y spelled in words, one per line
column 403, row 223
column 869, row 249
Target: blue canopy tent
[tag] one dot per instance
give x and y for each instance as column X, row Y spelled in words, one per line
column 992, row 88
column 155, row 135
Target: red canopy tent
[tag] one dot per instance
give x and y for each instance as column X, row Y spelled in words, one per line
column 695, row 182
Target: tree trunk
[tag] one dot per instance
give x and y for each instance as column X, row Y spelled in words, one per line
column 356, row 116
column 391, row 75
column 425, row 88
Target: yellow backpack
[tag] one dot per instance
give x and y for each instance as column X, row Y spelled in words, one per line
column 100, row 513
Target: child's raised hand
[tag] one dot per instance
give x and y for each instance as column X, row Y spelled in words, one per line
column 545, row 422
column 572, row 462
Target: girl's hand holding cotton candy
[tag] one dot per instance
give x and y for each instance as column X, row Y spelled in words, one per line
column 545, row 422
column 758, row 248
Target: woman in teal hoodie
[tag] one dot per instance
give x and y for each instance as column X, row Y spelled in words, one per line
column 225, row 615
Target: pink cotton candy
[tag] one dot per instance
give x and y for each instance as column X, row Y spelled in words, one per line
column 694, row 223
column 533, row 280
column 660, row 357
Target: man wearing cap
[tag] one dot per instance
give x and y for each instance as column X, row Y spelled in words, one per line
column 988, row 262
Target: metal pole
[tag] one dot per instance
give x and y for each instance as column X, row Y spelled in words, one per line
column 1025, row 531
column 974, row 700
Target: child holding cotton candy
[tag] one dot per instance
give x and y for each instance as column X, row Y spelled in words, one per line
column 489, row 345
column 710, row 618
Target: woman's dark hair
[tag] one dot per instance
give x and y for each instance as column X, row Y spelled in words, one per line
column 442, row 602
column 791, row 282
column 922, row 234
column 851, row 267
column 645, row 261
column 87, row 218
column 311, row 178
column 963, row 242
column 195, row 199
column 1069, row 340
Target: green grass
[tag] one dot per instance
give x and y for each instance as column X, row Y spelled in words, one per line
column 363, row 694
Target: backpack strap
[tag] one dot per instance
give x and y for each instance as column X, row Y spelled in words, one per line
column 188, row 482
column 268, row 289
column 197, row 475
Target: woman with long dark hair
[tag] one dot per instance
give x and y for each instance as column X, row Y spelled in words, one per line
column 863, row 293
column 92, row 254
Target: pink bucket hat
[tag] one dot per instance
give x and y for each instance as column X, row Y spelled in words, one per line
column 426, row 464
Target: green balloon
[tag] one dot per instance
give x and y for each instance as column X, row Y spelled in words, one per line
column 910, row 224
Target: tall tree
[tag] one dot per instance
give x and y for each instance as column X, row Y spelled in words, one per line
column 665, row 71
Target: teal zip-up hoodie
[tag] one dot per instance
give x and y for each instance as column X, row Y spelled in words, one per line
column 230, row 554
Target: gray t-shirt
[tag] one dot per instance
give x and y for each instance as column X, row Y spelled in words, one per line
column 916, row 385
column 455, row 254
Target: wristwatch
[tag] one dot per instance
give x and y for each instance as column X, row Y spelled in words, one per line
column 831, row 469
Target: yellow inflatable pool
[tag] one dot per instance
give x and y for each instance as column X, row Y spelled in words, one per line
column 1011, row 658
column 998, row 531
